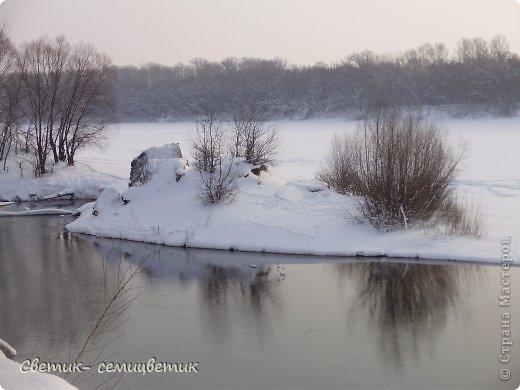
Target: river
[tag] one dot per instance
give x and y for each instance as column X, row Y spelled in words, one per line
column 251, row 321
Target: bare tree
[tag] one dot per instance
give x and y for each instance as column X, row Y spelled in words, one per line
column 253, row 138
column 67, row 95
column 11, row 117
column 42, row 66
column 9, row 97
column 214, row 159
column 209, row 142
column 88, row 104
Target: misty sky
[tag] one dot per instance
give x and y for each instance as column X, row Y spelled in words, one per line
column 302, row 31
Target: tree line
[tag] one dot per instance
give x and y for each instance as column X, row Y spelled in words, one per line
column 478, row 74
column 55, row 97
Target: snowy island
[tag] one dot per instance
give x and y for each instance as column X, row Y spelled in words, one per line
column 267, row 215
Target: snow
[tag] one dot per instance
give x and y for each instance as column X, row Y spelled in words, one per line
column 12, row 378
column 287, row 210
column 164, row 152
column 36, row 212
column 8, row 351
column 81, row 180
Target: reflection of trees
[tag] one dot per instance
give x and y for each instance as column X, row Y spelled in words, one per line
column 233, row 291
column 39, row 279
column 408, row 303
column 230, row 290
column 59, row 299
column 221, row 283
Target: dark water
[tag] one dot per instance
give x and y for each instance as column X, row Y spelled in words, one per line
column 302, row 324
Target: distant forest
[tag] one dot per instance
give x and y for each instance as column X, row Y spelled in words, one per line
column 478, row 75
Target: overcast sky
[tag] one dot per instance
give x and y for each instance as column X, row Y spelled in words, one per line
column 302, row 31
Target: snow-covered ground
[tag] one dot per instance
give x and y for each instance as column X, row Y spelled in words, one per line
column 80, row 180
column 11, row 377
column 280, row 213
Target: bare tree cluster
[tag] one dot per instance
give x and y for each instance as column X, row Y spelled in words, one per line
column 218, row 148
column 56, row 98
column 399, row 165
column 477, row 75
column 67, row 97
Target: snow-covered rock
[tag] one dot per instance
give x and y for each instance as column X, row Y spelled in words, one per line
column 164, row 152
column 141, row 168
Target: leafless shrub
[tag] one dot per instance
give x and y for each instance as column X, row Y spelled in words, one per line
column 461, row 217
column 214, row 160
column 107, row 327
column 23, row 160
column 208, row 143
column 219, row 185
column 399, row 165
column 253, row 138
column 94, row 319
column 337, row 170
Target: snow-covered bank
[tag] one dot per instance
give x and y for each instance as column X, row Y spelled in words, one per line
column 267, row 215
column 7, row 350
column 11, row 376
column 81, row 180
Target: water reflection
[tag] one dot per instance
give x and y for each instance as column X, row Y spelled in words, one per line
column 230, row 294
column 222, row 283
column 233, row 312
column 230, row 285
column 408, row 303
column 41, row 275
column 59, row 300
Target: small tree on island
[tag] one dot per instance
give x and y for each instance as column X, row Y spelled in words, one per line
column 213, row 158
column 253, row 138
